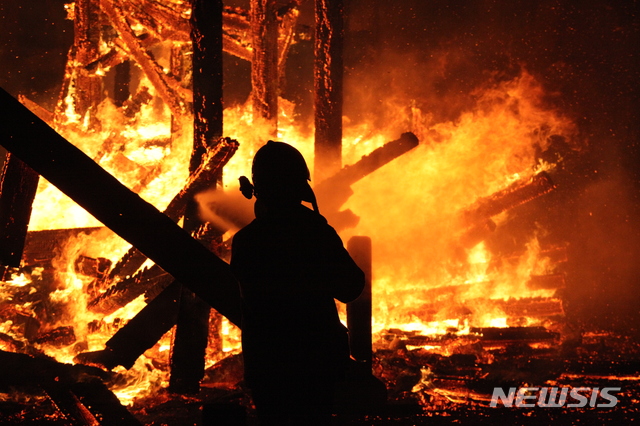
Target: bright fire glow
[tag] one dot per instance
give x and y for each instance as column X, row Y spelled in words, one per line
column 425, row 280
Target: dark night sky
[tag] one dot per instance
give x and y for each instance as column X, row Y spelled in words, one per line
column 585, row 53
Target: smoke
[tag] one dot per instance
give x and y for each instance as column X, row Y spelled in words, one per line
column 226, row 210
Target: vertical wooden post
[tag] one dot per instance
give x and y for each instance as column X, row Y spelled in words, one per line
column 328, row 76
column 264, row 65
column 190, row 341
column 359, row 311
column 86, row 89
column 18, row 185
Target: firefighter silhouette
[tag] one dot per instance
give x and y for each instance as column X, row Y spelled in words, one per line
column 291, row 265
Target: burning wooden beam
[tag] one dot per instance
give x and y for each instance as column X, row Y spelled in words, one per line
column 168, row 89
column 334, row 191
column 264, row 65
column 18, row 185
column 518, row 193
column 22, row 133
column 359, row 311
column 328, row 75
column 212, row 163
column 288, row 17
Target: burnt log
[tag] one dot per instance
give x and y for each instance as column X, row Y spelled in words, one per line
column 160, row 21
column 18, row 187
column 189, row 344
column 334, row 191
column 22, row 133
column 516, row 194
column 328, row 85
column 288, row 17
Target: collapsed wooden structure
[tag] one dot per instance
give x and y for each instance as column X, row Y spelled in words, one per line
column 262, row 36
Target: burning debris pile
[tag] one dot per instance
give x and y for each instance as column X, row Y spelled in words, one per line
column 456, row 312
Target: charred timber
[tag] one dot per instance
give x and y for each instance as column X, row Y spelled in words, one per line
column 518, row 193
column 168, row 89
column 328, row 85
column 86, row 88
column 192, row 331
column 334, row 191
column 189, row 344
column 125, row 291
column 206, row 36
column 121, row 92
column 215, row 158
column 140, row 333
column 371, row 162
column 264, row 65
column 18, row 187
column 78, row 391
column 359, row 311
column 22, row 133
column 288, row 16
